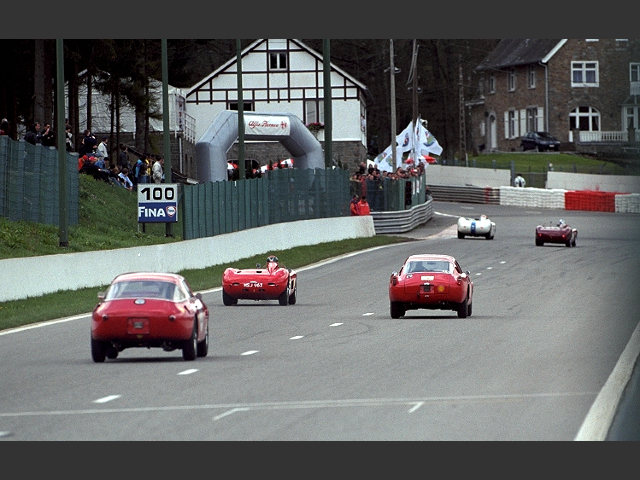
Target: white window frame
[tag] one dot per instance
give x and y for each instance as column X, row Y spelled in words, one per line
column 591, row 114
column 532, row 119
column 277, row 61
column 492, row 83
column 511, row 80
column 510, row 124
column 314, row 111
column 531, row 76
column 580, row 70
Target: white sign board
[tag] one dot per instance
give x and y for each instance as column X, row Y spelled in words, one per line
column 157, row 202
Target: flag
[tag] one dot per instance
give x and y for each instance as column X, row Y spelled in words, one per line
column 427, row 142
column 384, row 160
column 405, row 139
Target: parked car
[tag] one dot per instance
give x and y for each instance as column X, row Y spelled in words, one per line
column 476, row 227
column 148, row 309
column 540, row 141
column 559, row 232
column 269, row 282
column 430, row 281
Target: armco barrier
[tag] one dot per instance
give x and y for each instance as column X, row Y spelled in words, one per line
column 402, row 220
column 628, row 203
column 35, row 276
column 467, row 193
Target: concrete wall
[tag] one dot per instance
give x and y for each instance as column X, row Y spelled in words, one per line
column 479, row 177
column 585, row 181
column 35, row 276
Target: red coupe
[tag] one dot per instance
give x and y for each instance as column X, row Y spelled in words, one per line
column 556, row 233
column 430, row 281
column 146, row 309
column 269, row 282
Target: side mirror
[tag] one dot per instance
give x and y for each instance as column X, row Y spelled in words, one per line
column 101, row 296
column 258, row 265
column 394, row 278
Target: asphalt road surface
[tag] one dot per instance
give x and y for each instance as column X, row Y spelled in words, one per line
column 549, row 326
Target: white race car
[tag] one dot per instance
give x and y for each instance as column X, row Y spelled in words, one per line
column 476, row 227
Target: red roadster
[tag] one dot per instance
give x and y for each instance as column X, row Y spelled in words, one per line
column 269, row 282
column 558, row 233
column 146, row 309
column 430, row 281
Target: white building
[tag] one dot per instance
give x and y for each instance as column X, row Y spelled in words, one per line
column 285, row 76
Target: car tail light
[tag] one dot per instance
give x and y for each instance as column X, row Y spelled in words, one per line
column 440, row 289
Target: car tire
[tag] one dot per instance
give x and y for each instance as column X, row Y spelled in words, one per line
column 568, row 243
column 202, row 347
column 98, row 350
column 539, row 243
column 227, row 299
column 573, row 243
column 470, row 309
column 111, row 352
column 189, row 348
column 396, row 310
column 293, row 297
column 463, row 308
column 283, row 299
column 460, row 235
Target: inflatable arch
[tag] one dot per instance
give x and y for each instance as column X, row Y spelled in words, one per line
column 212, row 147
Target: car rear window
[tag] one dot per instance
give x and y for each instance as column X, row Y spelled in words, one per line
column 142, row 289
column 429, row 266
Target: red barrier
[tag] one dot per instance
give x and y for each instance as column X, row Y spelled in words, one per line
column 591, row 200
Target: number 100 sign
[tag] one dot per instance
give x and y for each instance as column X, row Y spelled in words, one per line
column 157, row 202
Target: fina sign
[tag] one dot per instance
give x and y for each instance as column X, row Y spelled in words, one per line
column 157, row 202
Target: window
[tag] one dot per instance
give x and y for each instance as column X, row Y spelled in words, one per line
column 532, row 119
column 278, row 60
column 313, row 111
column 584, row 118
column 584, row 74
column 246, row 106
column 511, row 124
column 492, row 83
column 531, row 76
column 511, row 80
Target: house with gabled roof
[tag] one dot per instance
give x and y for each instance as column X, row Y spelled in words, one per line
column 585, row 92
column 284, row 76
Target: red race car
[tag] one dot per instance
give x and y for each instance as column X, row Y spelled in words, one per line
column 269, row 282
column 146, row 309
column 430, row 281
column 556, row 233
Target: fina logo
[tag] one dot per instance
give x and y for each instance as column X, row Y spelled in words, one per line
column 171, row 210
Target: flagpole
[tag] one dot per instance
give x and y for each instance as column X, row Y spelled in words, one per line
column 392, row 82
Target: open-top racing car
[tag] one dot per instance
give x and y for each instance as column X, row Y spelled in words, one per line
column 476, row 227
column 269, row 282
column 558, row 232
column 430, row 281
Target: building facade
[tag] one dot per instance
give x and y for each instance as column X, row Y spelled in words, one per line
column 284, row 76
column 585, row 92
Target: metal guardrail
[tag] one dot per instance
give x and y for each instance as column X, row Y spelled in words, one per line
column 402, row 220
column 469, row 194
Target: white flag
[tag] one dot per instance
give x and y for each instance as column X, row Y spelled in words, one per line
column 427, row 142
column 384, row 160
column 405, row 139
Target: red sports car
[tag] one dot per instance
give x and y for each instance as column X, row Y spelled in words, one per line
column 430, row 281
column 269, row 282
column 556, row 233
column 146, row 309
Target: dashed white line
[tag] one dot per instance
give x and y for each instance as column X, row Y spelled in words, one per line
column 106, row 399
column 368, row 314
column 296, row 337
column 415, row 407
column 249, row 352
column 188, row 372
column 489, row 268
column 229, row 412
column 337, row 324
column 502, row 261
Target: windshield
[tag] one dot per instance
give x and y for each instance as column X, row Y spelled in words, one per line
column 145, row 289
column 429, row 266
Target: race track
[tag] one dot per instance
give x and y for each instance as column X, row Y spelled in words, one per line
column 548, row 327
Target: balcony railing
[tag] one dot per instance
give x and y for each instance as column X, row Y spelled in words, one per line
column 612, row 136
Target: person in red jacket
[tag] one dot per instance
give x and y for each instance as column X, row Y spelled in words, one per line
column 363, row 206
column 354, row 205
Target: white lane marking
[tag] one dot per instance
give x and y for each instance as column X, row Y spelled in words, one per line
column 229, row 412
column 106, row 399
column 44, row 324
column 415, row 407
column 489, row 268
column 5, row 434
column 349, row 402
column 446, row 215
column 502, row 261
column 249, row 352
column 188, row 372
column 368, row 314
column 337, row 324
column 478, row 274
column 600, row 416
column 296, row 337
